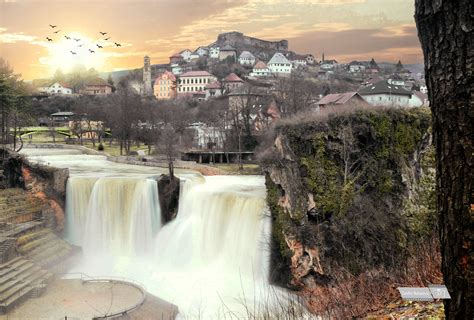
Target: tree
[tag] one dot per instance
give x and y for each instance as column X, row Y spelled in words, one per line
column 111, row 82
column 446, row 33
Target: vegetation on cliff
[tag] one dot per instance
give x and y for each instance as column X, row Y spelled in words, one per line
column 351, row 193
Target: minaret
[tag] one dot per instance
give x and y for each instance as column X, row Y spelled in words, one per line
column 323, row 58
column 147, row 77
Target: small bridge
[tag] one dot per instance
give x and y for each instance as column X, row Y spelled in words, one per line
column 207, row 156
column 65, row 131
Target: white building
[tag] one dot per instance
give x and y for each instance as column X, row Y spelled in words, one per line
column 194, row 82
column 356, row 67
column 202, row 51
column 176, row 69
column 384, row 93
column 204, row 136
column 310, row 59
column 246, row 58
column 279, row 64
column 419, row 99
column 328, row 64
column 298, row 61
column 260, row 69
column 214, row 52
column 186, row 54
column 58, row 88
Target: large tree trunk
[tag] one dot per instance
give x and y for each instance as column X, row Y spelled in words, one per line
column 445, row 29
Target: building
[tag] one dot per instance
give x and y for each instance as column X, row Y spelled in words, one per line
column 246, row 58
column 260, row 69
column 61, row 118
column 164, row 87
column 202, row 51
column 226, row 52
column 232, row 82
column 298, row 60
column 214, row 89
column 186, row 54
column 176, row 58
column 328, row 64
column 351, row 99
column 384, row 93
column 310, row 59
column 419, row 99
column 194, row 82
column 279, row 64
column 97, row 87
column 214, row 52
column 58, row 88
column 356, row 67
column 424, row 89
column 147, row 88
column 176, row 69
column 373, row 67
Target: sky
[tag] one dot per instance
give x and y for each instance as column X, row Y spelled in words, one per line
column 344, row 30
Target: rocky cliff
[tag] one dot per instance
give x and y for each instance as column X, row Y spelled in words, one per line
column 352, row 200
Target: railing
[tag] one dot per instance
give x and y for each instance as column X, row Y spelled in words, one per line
column 86, row 278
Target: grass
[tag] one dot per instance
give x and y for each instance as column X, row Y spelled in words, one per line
column 233, row 168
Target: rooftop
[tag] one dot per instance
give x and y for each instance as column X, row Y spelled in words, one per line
column 214, row 85
column 260, row 65
column 196, row 74
column 383, row 87
column 337, row 98
column 278, row 58
column 233, row 78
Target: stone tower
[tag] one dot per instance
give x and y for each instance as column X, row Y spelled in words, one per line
column 147, row 90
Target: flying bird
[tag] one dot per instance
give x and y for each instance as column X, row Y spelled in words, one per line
column 52, row 26
column 107, row 38
column 99, row 46
column 80, row 45
column 67, row 37
column 49, row 39
column 103, row 33
column 57, row 31
column 73, row 52
column 92, row 51
column 117, row 44
column 77, row 39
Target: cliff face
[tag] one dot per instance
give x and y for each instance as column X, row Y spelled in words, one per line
column 352, row 200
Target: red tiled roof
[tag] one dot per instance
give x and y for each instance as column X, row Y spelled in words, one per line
column 233, row 78
column 195, row 74
column 214, row 85
column 260, row 65
column 337, row 98
column 63, row 84
column 170, row 75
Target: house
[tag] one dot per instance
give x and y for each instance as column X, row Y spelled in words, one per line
column 232, row 81
column 246, row 58
column 310, row 59
column 186, row 54
column 176, row 58
column 384, row 93
column 424, row 89
column 419, row 99
column 214, row 52
column 342, row 99
column 97, row 87
column 202, row 51
column 328, row 64
column 260, row 69
column 164, row 87
column 61, row 118
column 214, row 89
column 59, row 88
column 279, row 65
column 298, row 60
column 176, row 69
column 373, row 67
column 356, row 67
column 227, row 51
column 192, row 83
column 206, row 136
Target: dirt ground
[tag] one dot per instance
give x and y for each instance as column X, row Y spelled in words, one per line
column 76, row 300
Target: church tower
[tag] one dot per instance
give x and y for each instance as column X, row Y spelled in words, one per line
column 147, row 89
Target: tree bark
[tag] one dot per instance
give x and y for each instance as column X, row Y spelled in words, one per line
column 446, row 32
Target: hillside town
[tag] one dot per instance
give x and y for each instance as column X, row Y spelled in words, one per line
column 241, row 72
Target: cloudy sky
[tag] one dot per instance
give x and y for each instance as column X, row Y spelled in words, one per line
column 343, row 29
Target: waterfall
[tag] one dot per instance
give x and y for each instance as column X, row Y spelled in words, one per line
column 112, row 215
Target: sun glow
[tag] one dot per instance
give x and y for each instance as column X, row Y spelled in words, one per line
column 65, row 54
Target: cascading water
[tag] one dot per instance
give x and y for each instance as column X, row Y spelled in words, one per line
column 211, row 261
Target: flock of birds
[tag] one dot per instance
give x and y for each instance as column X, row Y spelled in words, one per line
column 79, row 45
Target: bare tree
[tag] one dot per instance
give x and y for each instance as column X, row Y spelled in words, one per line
column 446, row 32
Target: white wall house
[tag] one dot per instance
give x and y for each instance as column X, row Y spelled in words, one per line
column 419, row 99
column 328, row 64
column 202, row 51
column 310, row 59
column 260, row 69
column 246, row 58
column 214, row 52
column 299, row 61
column 356, row 67
column 279, row 64
column 203, row 135
column 186, row 54
column 176, row 69
column 59, row 88
column 384, row 93
column 193, row 82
